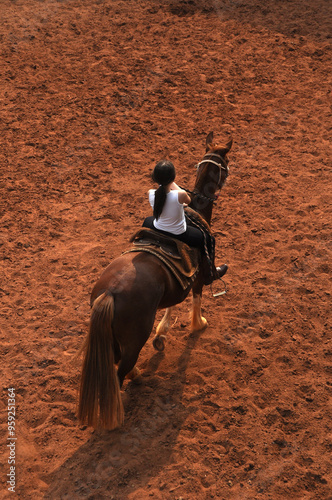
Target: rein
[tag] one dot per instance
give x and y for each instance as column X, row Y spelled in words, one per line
column 195, row 193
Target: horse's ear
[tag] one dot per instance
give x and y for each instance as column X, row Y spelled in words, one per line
column 229, row 145
column 209, row 140
column 223, row 151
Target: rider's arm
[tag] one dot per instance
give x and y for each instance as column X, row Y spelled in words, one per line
column 183, row 196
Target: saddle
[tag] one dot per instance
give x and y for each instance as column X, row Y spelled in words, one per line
column 183, row 261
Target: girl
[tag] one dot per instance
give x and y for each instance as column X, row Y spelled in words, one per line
column 168, row 202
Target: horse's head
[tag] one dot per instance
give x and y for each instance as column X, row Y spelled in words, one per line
column 215, row 156
column 212, row 173
column 222, row 151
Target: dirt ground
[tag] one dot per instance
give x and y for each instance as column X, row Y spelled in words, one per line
column 93, row 93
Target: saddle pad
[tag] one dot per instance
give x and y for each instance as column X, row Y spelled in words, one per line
column 186, row 259
column 168, row 250
column 185, row 281
column 181, row 259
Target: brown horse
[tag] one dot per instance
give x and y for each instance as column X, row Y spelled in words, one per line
column 124, row 303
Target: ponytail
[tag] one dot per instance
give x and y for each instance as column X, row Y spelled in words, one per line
column 163, row 174
column 159, row 201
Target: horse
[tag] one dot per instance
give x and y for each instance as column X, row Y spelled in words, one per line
column 124, row 304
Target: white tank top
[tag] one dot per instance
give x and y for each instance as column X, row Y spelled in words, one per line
column 172, row 218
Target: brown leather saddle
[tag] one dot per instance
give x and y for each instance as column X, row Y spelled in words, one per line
column 181, row 259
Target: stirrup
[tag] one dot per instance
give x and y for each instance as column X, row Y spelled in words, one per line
column 218, row 294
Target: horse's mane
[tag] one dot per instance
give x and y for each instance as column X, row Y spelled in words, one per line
column 192, row 214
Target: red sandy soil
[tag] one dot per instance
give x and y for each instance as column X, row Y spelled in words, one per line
column 93, row 93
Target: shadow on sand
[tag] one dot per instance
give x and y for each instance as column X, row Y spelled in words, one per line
column 123, row 460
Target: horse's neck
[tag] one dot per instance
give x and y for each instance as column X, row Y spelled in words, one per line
column 197, row 217
column 203, row 204
column 206, row 186
column 206, row 212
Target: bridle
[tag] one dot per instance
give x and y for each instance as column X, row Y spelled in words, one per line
column 222, row 168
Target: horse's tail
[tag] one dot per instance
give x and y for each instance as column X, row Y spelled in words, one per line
column 100, row 403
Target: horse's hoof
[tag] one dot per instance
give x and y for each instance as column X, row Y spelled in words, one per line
column 136, row 377
column 159, row 343
column 199, row 326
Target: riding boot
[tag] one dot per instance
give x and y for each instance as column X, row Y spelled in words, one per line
column 220, row 271
column 207, row 270
column 210, row 271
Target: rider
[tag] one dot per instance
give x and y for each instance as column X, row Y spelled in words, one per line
column 168, row 202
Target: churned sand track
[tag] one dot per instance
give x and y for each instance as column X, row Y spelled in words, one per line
column 93, row 93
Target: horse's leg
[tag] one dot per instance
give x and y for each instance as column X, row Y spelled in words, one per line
column 198, row 322
column 126, row 367
column 162, row 329
column 133, row 338
column 135, row 375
